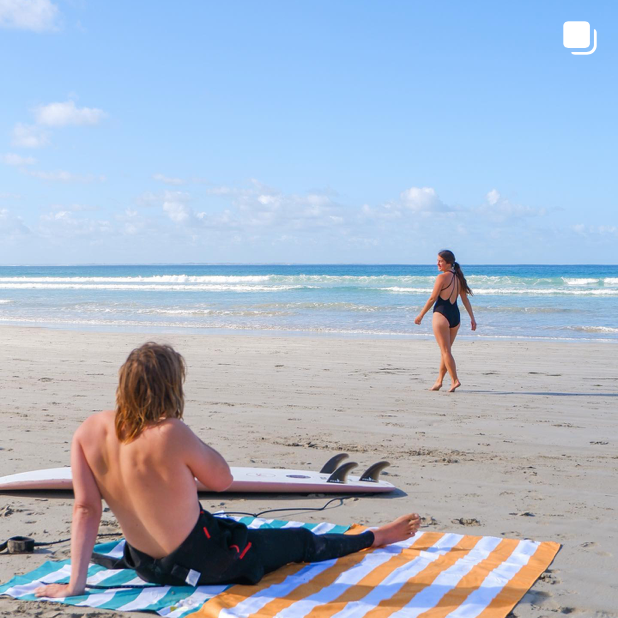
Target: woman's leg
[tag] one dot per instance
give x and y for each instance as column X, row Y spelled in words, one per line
column 453, row 332
column 438, row 384
column 442, row 333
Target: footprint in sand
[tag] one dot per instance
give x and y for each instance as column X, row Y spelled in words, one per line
column 549, row 577
column 466, row 521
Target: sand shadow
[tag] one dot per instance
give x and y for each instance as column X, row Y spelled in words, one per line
column 541, row 393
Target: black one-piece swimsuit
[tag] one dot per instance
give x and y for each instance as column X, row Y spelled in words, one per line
column 448, row 309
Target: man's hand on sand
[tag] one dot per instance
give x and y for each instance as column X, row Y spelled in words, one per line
column 399, row 530
column 55, row 591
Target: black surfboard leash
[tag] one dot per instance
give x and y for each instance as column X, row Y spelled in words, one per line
column 26, row 545
column 300, row 508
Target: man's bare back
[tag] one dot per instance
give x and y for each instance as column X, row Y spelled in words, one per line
column 149, row 483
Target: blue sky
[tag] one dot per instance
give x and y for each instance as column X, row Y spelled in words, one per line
column 317, row 131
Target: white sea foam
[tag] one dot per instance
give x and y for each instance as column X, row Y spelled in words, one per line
column 192, row 312
column 152, row 279
column 131, row 324
column 524, row 291
column 320, row 280
column 211, row 326
column 497, row 284
column 581, row 281
column 5, row 301
column 534, row 310
column 147, row 287
column 593, row 329
column 401, row 289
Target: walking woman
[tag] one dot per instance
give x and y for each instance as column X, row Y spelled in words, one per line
column 450, row 284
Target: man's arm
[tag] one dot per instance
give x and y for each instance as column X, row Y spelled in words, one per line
column 86, row 518
column 207, row 465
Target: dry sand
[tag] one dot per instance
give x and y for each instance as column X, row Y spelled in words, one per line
column 526, row 448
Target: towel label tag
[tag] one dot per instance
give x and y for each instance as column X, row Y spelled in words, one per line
column 193, row 577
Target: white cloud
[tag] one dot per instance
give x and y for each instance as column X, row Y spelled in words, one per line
column 257, row 207
column 29, row 136
column 63, row 176
column 168, row 180
column 75, row 208
column 34, row 15
column 63, row 114
column 64, row 224
column 18, row 160
column 11, row 225
column 492, row 197
column 261, row 206
column 53, row 115
column 595, row 230
column 132, row 224
column 500, row 209
column 149, row 199
column 423, row 199
column 175, row 206
column 222, row 191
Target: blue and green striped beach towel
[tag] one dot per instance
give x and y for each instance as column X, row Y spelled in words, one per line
column 105, row 589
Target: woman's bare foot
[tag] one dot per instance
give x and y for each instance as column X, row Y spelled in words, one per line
column 436, row 387
column 399, row 530
column 454, row 386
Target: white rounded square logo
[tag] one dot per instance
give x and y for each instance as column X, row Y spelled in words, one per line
column 576, row 34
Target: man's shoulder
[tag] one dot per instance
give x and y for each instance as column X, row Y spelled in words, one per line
column 96, row 422
column 167, row 430
column 105, row 417
column 172, row 427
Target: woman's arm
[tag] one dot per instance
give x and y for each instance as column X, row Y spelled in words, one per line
column 437, row 286
column 468, row 306
column 86, row 517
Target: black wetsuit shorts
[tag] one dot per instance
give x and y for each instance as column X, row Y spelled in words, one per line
column 220, row 551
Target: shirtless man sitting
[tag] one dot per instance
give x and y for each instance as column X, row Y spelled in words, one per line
column 143, row 461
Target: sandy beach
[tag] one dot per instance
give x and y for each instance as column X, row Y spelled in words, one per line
column 526, row 448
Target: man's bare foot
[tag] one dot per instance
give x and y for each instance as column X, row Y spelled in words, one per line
column 399, row 530
column 454, row 386
column 436, row 387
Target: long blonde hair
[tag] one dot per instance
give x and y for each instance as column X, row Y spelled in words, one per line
column 149, row 389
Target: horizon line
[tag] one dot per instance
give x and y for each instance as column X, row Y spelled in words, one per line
column 84, row 264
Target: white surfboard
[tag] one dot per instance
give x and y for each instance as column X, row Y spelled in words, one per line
column 250, row 480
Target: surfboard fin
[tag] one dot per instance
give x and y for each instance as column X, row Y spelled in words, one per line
column 372, row 473
column 331, row 465
column 341, row 473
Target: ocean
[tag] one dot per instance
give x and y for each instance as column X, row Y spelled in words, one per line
column 571, row 303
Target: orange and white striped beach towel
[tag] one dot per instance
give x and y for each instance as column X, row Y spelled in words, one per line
column 432, row 575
